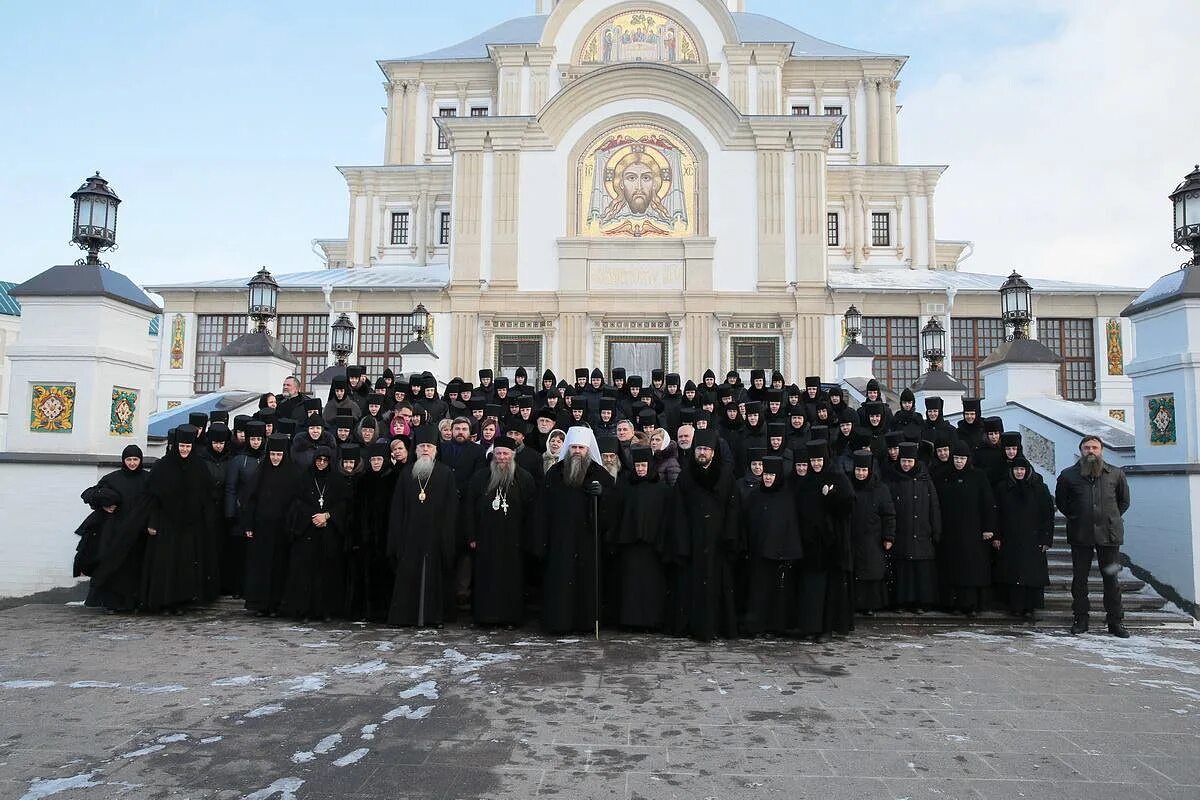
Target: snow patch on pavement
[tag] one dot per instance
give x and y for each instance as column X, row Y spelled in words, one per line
column 352, row 757
column 407, row 712
column 426, row 689
column 40, row 788
column 285, row 788
column 145, row 751
column 365, row 668
column 26, row 684
column 263, row 711
column 238, row 680
column 302, row 684
column 170, row 688
column 95, row 685
column 368, row 731
column 172, row 738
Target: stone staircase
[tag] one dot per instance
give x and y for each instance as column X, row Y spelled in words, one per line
column 1144, row 608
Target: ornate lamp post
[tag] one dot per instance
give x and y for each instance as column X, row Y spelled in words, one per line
column 1016, row 306
column 261, row 299
column 853, row 320
column 95, row 225
column 933, row 344
column 420, row 321
column 1186, row 199
column 341, row 338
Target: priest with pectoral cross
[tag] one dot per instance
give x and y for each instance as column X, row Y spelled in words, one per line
column 421, row 537
column 497, row 524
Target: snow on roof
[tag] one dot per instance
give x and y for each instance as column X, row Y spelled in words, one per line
column 921, row 280
column 750, row 28
column 434, row 276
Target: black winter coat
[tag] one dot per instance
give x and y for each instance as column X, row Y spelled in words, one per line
column 872, row 522
column 1026, row 515
column 1093, row 508
column 918, row 514
column 968, row 509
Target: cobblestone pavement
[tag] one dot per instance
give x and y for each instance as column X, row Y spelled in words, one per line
column 219, row 705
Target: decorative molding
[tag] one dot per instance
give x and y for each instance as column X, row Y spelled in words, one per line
column 1115, row 348
column 123, row 411
column 1160, row 416
column 52, row 408
column 1117, row 414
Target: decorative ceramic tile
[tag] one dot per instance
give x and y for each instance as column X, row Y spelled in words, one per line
column 174, row 404
column 177, row 329
column 1116, row 352
column 1038, row 449
column 1118, row 414
column 52, row 409
column 1161, row 411
column 123, row 411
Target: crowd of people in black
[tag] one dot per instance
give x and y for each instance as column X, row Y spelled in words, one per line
column 710, row 509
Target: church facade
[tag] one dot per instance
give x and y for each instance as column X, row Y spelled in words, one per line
column 680, row 186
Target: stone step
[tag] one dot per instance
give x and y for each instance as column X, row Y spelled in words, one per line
column 1127, row 582
column 1047, row 619
column 1061, row 600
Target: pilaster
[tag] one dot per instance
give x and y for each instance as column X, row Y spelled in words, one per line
column 466, row 239
column 505, row 213
column 887, row 120
column 771, row 237
column 698, row 330
column 914, row 186
column 872, row 121
column 810, row 216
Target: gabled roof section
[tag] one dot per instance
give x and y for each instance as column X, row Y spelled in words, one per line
column 936, row 280
column 750, row 28
column 761, row 28
column 9, row 305
column 434, row 276
column 522, row 30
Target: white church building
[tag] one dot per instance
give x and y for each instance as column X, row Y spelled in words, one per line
column 681, row 186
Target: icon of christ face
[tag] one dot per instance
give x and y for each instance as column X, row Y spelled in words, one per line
column 637, row 186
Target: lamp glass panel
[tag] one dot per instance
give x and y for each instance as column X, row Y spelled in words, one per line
column 1191, row 211
column 1006, row 301
column 1022, row 300
column 84, row 217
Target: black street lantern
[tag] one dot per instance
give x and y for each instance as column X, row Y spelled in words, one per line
column 263, row 294
column 1186, row 199
column 853, row 320
column 341, row 338
column 95, row 227
column 420, row 321
column 1016, row 307
column 933, row 344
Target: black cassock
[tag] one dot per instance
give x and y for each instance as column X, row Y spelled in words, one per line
column 964, row 558
column 315, row 579
column 826, row 583
column 369, row 588
column 639, row 533
column 569, row 589
column 264, row 511
column 772, row 534
column 116, row 573
column 421, row 543
column 497, row 526
column 181, row 511
column 705, row 540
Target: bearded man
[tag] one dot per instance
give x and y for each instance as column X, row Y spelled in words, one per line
column 1093, row 496
column 571, row 575
column 421, row 531
column 498, row 510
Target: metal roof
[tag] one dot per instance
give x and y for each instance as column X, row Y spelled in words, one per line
column 162, row 422
column 750, row 28
column 926, row 280
column 9, row 305
column 1179, row 285
column 434, row 276
column 84, row 280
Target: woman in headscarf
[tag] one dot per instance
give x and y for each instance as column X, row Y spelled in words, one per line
column 1026, row 531
column 217, row 454
column 918, row 530
column 872, row 532
column 119, row 497
column 340, row 404
column 314, row 584
column 554, row 444
column 373, row 501
column 262, row 520
column 180, row 516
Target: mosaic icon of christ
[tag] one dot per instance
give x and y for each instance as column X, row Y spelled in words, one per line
column 637, row 182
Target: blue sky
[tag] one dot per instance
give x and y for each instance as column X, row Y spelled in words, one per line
column 220, row 123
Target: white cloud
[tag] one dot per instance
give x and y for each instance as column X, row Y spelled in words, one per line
column 1062, row 152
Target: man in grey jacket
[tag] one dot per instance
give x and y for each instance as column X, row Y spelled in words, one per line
column 1093, row 496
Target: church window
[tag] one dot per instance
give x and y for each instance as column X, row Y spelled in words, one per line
column 479, row 111
column 214, row 332
column 748, row 353
column 971, row 341
column 881, row 229
column 800, row 111
column 835, row 111
column 443, row 142
column 1073, row 340
column 895, row 341
column 399, row 227
column 306, row 336
column 638, row 355
column 380, row 339
column 518, row 351
column 444, row 228
column 833, row 232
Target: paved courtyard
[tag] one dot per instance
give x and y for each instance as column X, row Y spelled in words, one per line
column 218, row 705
